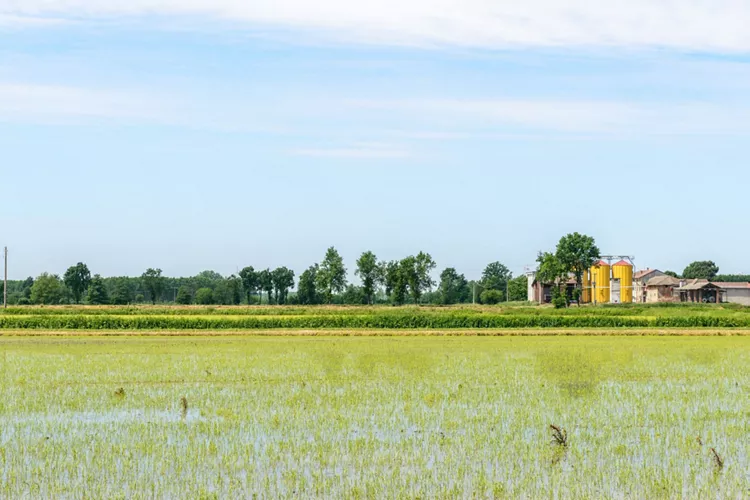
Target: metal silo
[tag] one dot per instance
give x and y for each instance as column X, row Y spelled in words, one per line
column 623, row 271
column 586, row 283
column 600, row 279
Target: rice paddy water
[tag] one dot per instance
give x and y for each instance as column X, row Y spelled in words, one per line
column 347, row 417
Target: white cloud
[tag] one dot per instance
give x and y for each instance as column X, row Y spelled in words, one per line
column 9, row 21
column 711, row 25
column 55, row 104
column 467, row 118
column 356, row 151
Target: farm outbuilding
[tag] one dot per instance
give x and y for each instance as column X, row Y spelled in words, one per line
column 662, row 289
column 702, row 291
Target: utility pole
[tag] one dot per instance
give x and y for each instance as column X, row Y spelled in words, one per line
column 5, row 280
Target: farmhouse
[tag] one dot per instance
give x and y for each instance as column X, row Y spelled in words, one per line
column 640, row 279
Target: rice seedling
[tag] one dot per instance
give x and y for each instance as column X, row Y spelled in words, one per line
column 376, row 417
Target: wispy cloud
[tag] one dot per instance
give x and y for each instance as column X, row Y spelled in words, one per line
column 11, row 21
column 55, row 104
column 361, row 151
column 710, row 25
column 467, row 118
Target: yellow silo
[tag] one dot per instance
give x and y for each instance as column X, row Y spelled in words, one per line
column 624, row 272
column 600, row 279
column 586, row 283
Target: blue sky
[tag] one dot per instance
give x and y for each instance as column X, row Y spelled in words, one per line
column 199, row 135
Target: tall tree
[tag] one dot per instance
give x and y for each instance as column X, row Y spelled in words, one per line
column 234, row 289
column 496, row 277
column 370, row 273
column 184, row 297
column 249, row 282
column 416, row 271
column 703, row 269
column 577, row 253
column 122, row 291
column 265, row 282
column 97, row 291
column 518, row 289
column 26, row 287
column 204, row 296
column 331, row 275
column 47, row 289
column 551, row 270
column 153, row 282
column 395, row 280
column 283, row 280
column 454, row 288
column 77, row 279
column 307, row 293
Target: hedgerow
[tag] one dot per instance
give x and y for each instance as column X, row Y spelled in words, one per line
column 453, row 320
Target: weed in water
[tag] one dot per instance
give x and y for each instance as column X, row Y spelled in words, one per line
column 717, row 459
column 559, row 436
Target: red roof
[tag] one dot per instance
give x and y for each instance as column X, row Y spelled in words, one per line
column 601, row 263
column 623, row 263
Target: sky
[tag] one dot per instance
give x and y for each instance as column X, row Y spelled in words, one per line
column 215, row 134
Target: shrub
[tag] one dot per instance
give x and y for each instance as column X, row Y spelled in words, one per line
column 204, row 296
column 491, row 297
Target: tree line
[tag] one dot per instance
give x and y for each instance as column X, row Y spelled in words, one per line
column 398, row 282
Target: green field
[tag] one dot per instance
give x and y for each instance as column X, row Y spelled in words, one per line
column 389, row 417
column 684, row 316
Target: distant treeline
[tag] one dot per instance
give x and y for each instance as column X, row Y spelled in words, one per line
column 405, row 281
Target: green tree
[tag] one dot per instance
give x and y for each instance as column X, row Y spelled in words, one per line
column 122, row 292
column 47, row 289
column 577, row 253
column 26, row 287
column 496, row 277
column 354, row 295
column 234, row 288
column 395, row 275
column 518, row 289
column 207, row 279
column 97, row 294
column 153, row 282
column 704, row 270
column 416, row 272
column 672, row 274
column 204, row 296
column 183, row 296
column 283, row 280
column 307, row 293
column 249, row 281
column 454, row 288
column 265, row 282
column 551, row 270
column 331, row 275
column 77, row 279
column 370, row 273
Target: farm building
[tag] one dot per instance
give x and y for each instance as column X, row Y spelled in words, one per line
column 662, row 289
column 668, row 289
column 702, row 291
column 640, row 279
column 736, row 293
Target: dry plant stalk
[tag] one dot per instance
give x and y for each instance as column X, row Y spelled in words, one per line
column 184, row 404
column 559, row 435
column 717, row 459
